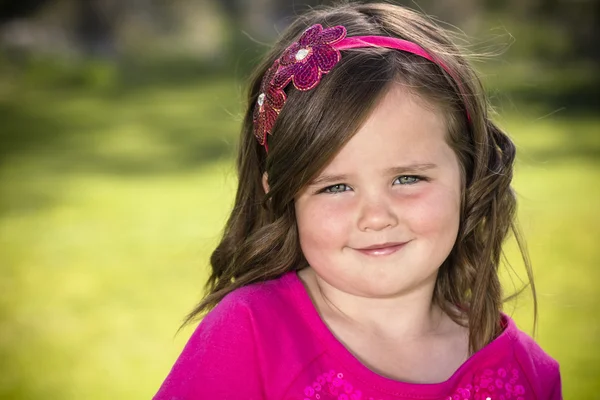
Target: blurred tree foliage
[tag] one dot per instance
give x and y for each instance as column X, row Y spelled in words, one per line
column 98, row 27
column 553, row 56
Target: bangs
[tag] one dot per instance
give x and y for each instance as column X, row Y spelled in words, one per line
column 315, row 124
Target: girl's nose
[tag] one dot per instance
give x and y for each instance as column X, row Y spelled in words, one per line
column 376, row 214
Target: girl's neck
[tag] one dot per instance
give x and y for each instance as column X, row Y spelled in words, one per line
column 406, row 317
column 380, row 332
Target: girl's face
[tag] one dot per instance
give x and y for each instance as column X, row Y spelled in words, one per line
column 381, row 218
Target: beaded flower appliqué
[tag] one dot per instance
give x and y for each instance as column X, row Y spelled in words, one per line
column 489, row 384
column 303, row 63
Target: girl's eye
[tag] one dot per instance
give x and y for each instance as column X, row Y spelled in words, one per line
column 408, row 179
column 339, row 188
column 402, row 180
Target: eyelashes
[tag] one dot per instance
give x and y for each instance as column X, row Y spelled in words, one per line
column 404, row 180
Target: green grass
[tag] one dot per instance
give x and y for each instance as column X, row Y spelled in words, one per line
column 556, row 180
column 110, row 203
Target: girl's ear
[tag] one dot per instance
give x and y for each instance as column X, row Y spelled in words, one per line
column 265, row 182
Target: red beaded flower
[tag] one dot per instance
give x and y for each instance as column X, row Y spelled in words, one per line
column 312, row 55
column 268, row 105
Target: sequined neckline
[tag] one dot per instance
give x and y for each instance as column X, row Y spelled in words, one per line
column 373, row 379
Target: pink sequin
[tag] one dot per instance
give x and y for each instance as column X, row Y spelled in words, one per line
column 492, row 384
column 333, row 385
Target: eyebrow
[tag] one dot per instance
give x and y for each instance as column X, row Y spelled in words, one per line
column 404, row 169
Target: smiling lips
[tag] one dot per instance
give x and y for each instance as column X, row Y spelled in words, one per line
column 383, row 249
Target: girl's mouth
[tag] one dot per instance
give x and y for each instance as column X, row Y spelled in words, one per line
column 383, row 249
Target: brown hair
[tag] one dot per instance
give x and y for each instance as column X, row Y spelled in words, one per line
column 260, row 239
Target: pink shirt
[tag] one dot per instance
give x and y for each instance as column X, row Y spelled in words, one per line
column 267, row 341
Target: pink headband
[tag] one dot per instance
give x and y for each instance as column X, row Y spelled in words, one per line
column 305, row 61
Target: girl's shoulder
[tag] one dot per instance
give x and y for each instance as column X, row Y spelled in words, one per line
column 532, row 356
column 264, row 297
column 250, row 334
column 518, row 354
column 267, row 309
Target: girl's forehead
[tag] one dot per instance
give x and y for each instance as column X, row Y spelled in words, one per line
column 401, row 107
column 402, row 128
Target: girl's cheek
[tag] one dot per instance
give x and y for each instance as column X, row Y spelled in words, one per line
column 434, row 211
column 327, row 216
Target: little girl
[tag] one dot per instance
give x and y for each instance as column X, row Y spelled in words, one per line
column 361, row 257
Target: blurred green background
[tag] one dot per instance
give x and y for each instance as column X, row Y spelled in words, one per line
column 118, row 128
